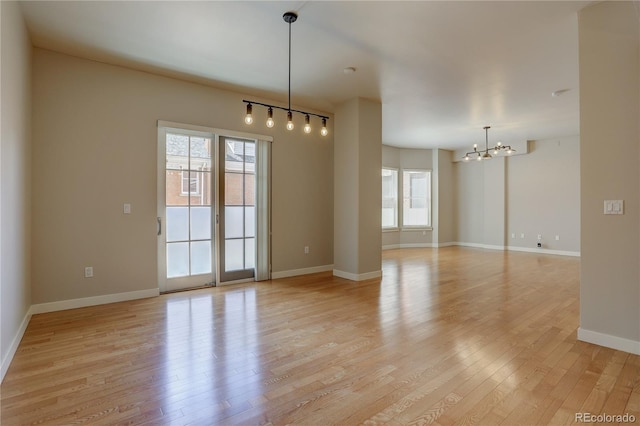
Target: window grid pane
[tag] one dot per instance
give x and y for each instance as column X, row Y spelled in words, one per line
column 188, row 185
column 416, row 196
column 389, row 198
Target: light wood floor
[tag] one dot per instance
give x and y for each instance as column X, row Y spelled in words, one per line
column 449, row 336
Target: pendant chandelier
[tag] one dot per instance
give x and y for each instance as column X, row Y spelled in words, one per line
column 289, row 18
column 484, row 154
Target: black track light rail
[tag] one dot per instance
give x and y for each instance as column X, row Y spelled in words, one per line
column 284, row 109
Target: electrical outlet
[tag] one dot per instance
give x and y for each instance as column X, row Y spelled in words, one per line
column 522, row 235
column 126, row 208
column 557, row 237
column 513, row 235
column 539, row 237
column 306, row 249
column 88, row 272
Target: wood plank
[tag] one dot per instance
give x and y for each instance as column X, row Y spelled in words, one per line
column 447, row 336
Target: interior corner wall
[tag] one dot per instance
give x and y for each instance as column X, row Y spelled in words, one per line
column 609, row 61
column 15, row 180
column 95, row 148
column 507, row 203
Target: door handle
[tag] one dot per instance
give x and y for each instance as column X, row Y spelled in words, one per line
column 159, row 225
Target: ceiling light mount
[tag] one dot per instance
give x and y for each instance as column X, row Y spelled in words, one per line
column 480, row 155
column 289, row 18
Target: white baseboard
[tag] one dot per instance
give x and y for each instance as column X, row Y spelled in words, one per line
column 482, row 246
column 417, row 245
column 62, row 305
column 14, row 345
column 544, row 251
column 357, row 277
column 609, row 341
column 448, row 244
column 521, row 249
column 304, row 271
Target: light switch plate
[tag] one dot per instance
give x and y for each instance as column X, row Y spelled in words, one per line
column 127, row 208
column 613, row 206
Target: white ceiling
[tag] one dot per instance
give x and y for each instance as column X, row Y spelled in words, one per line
column 442, row 70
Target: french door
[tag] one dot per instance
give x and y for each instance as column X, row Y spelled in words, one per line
column 213, row 208
column 185, row 210
column 237, row 174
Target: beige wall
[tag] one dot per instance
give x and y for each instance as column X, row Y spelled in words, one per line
column 609, row 47
column 95, row 136
column 346, row 182
column 370, row 191
column 536, row 193
column 543, row 195
column 357, row 187
column 445, row 197
column 469, row 202
column 15, row 179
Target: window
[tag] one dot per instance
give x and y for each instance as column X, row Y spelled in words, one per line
column 190, row 183
column 389, row 198
column 416, row 198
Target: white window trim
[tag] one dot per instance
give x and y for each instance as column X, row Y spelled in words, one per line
column 408, row 228
column 396, row 227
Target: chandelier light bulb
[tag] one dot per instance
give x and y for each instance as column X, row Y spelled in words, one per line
column 248, row 118
column 289, row 121
column 324, row 131
column 307, row 126
column 270, row 122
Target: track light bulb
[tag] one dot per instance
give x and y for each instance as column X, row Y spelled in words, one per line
column 307, row 126
column 289, row 121
column 270, row 122
column 248, row 118
column 324, row 131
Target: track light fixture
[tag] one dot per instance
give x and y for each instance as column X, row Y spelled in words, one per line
column 484, row 154
column 289, row 18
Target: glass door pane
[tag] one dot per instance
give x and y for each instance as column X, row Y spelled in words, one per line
column 188, row 237
column 237, row 215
